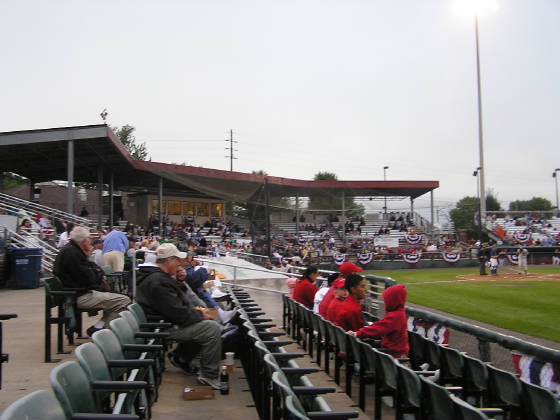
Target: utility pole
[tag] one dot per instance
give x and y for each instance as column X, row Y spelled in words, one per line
column 231, row 150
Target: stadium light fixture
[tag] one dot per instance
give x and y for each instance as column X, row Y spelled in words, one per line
column 555, row 175
column 385, row 179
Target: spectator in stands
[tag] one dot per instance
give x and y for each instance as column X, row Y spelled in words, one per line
column 25, row 227
column 305, row 288
column 347, row 313
column 346, row 269
column 72, row 267
column 160, row 295
column 115, row 246
column 339, row 294
column 392, row 328
column 65, row 236
column 323, row 291
column 97, row 252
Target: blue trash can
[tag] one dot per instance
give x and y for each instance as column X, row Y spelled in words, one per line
column 26, row 267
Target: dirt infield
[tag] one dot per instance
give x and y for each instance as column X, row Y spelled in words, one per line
column 548, row 277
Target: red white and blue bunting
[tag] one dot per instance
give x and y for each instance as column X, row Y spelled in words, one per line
column 339, row 259
column 413, row 238
column 451, row 257
column 301, row 240
column 513, row 259
column 534, row 371
column 412, row 259
column 521, row 237
column 434, row 332
column 365, row 259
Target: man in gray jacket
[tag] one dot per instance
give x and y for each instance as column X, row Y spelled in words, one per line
column 160, row 295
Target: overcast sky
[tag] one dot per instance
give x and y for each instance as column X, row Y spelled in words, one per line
column 346, row 86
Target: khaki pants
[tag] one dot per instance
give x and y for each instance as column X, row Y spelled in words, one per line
column 209, row 335
column 115, row 259
column 111, row 303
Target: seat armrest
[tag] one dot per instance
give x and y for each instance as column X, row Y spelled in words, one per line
column 156, row 325
column 99, row 416
column 142, row 347
column 284, row 356
column 131, row 363
column 313, row 390
column 273, row 343
column 118, row 386
column 331, row 415
column 151, row 334
column 299, row 371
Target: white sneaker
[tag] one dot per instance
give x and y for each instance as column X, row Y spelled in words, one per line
column 217, row 293
column 214, row 383
column 227, row 316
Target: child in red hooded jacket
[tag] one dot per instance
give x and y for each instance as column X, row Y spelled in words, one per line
column 392, row 328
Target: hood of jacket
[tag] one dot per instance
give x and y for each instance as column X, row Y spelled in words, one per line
column 394, row 297
column 144, row 272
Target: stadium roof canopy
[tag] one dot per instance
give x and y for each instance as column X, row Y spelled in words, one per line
column 43, row 155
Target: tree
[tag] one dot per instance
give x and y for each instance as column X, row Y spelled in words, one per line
column 534, row 204
column 463, row 215
column 325, row 201
column 138, row 151
column 11, row 180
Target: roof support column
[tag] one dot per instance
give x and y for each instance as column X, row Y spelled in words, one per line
column 297, row 215
column 267, row 216
column 111, row 200
column 70, row 178
column 100, row 196
column 160, row 207
column 31, row 190
column 432, row 214
column 343, row 219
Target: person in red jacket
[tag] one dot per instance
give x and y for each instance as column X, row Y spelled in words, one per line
column 392, row 328
column 339, row 294
column 305, row 289
column 347, row 313
column 345, row 270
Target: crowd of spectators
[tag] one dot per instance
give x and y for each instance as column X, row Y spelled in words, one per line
column 339, row 299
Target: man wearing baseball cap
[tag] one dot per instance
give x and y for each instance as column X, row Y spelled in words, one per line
column 346, row 269
column 160, row 295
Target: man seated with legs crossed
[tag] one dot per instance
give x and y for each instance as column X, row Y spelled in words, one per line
column 72, row 267
column 160, row 295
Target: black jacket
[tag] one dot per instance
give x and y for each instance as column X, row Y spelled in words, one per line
column 158, row 294
column 73, row 268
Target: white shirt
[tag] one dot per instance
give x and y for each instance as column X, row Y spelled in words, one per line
column 62, row 240
column 319, row 298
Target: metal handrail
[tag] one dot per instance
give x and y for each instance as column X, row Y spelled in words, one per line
column 47, row 210
column 30, row 241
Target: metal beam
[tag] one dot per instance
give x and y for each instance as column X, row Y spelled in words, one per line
column 70, row 178
column 100, row 196
column 111, row 204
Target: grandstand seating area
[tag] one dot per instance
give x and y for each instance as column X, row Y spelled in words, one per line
column 122, row 369
column 521, row 230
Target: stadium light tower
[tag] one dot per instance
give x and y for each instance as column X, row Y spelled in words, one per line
column 555, row 175
column 385, row 198
column 478, row 8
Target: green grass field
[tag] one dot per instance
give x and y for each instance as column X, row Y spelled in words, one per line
column 529, row 307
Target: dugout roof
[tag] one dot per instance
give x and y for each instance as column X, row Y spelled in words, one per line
column 42, row 155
